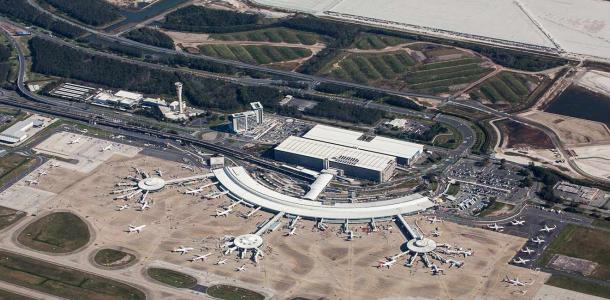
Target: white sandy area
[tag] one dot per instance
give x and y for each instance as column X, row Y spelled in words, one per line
column 596, row 81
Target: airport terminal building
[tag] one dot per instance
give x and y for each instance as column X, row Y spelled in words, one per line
column 357, row 155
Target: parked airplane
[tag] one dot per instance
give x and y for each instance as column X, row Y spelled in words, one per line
column 159, row 172
column 74, row 141
column 515, row 282
column 182, row 250
column 496, row 227
column 31, row 182
column 436, row 232
column 43, row 173
column 455, row 263
column 200, row 257
column 538, row 240
column 527, row 250
column 108, row 147
column 521, row 261
column 434, row 220
column 517, row 222
column 436, row 270
column 144, row 205
column 221, row 262
column 188, row 167
column 122, row 207
column 548, row 229
column 223, row 213
column 137, row 229
column 292, row 231
column 388, row 263
column 240, row 269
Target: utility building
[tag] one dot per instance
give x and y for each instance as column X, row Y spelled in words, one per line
column 321, row 155
column 405, row 152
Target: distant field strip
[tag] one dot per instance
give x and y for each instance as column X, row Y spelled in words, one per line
column 255, row 54
column 274, row 35
column 505, row 87
column 399, row 68
column 368, row 41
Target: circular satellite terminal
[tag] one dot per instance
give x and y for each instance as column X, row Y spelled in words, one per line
column 248, row 241
column 151, row 184
column 421, row 245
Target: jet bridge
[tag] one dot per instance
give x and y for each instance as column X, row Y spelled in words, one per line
column 409, row 231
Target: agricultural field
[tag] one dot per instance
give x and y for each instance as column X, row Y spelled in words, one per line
column 399, row 70
column 506, row 88
column 60, row 232
column 271, row 35
column 61, row 281
column 255, row 54
column 368, row 41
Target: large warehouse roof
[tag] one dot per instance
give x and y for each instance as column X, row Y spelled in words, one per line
column 323, row 150
column 354, row 139
column 241, row 185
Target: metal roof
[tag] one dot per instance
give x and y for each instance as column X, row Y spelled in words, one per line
column 345, row 155
column 354, row 139
column 242, row 186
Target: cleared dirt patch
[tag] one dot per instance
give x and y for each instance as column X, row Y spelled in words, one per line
column 519, row 135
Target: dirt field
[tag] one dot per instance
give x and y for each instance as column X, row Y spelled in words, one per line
column 518, row 135
column 594, row 160
column 573, row 131
column 310, row 264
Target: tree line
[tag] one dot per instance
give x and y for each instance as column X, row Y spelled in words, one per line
column 23, row 11
column 151, row 36
column 5, row 66
column 91, row 12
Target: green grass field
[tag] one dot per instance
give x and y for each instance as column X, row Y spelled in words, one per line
column 274, row 35
column 581, row 242
column 113, row 258
column 506, row 87
column 255, row 54
column 9, row 216
column 60, row 232
column 578, row 285
column 399, row 70
column 227, row 292
column 453, row 189
column 62, row 281
column 173, row 278
column 368, row 41
column 496, row 207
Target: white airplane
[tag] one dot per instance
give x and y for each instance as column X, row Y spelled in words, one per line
column 537, row 240
column 200, row 257
column 106, row 148
column 548, row 229
column 515, row 282
column 240, row 269
column 436, row 270
column 144, row 205
column 122, row 207
column 436, row 233
column 221, row 262
column 43, row 173
column 193, row 191
column 517, row 222
column 223, row 213
column 527, row 250
column 388, row 263
column 496, row 227
column 188, row 167
column 137, row 229
column 182, row 250
column 74, row 141
column 291, row 232
column 159, row 172
column 455, row 263
column 434, row 220
column 520, row 261
column 31, row 182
